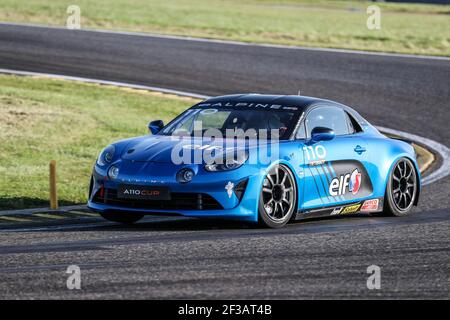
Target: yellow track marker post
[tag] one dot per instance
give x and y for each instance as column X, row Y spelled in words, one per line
column 53, row 193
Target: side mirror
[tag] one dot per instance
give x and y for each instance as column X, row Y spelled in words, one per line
column 322, row 134
column 155, row 126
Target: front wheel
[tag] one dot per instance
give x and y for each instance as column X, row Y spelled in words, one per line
column 278, row 197
column 401, row 190
column 125, row 218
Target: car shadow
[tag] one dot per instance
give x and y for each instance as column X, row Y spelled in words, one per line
column 177, row 224
column 180, row 224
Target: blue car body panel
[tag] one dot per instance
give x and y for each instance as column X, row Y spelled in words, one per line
column 326, row 172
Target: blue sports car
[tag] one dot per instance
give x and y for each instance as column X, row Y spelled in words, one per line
column 259, row 158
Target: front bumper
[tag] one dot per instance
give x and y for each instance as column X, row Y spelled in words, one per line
column 206, row 195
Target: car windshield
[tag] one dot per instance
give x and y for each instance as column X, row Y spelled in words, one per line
column 252, row 123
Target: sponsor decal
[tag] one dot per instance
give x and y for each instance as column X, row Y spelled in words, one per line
column 317, row 163
column 136, row 192
column 370, row 205
column 314, row 153
column 351, row 209
column 350, row 181
column 229, row 187
column 204, row 147
column 143, row 181
column 248, row 105
column 355, row 181
column 209, row 111
column 336, row 211
column 143, row 192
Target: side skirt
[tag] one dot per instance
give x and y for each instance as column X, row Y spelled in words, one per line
column 366, row 206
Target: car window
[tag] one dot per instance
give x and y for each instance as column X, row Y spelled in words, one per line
column 328, row 117
column 301, row 132
column 261, row 121
column 185, row 126
column 351, row 128
column 354, row 124
column 212, row 118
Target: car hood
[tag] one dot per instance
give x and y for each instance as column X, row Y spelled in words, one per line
column 161, row 148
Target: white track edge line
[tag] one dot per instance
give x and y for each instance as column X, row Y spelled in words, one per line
column 104, row 82
column 439, row 148
column 231, row 42
column 442, row 150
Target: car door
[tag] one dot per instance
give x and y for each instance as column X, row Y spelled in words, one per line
column 335, row 170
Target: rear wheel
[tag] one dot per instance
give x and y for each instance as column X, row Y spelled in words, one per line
column 278, row 197
column 401, row 189
column 125, row 218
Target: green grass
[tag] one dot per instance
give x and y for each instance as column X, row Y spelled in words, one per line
column 43, row 119
column 406, row 28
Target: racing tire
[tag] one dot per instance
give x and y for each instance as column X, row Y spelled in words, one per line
column 401, row 190
column 120, row 217
column 278, row 197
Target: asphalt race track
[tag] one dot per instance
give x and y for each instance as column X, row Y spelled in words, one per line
column 187, row 258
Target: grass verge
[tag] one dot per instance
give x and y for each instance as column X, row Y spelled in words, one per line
column 405, row 28
column 43, row 119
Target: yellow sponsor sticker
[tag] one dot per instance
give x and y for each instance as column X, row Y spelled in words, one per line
column 351, row 209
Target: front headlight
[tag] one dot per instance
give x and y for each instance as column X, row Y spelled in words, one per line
column 113, row 173
column 106, row 156
column 228, row 162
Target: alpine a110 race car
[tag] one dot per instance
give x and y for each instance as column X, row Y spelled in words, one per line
column 258, row 158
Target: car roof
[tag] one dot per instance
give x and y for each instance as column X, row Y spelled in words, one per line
column 302, row 103
column 286, row 100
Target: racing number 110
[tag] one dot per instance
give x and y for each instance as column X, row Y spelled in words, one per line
column 317, row 152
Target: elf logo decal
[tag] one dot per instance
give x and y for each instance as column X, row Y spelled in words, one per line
column 339, row 185
column 355, row 181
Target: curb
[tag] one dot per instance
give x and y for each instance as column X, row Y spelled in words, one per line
column 28, row 212
column 46, row 216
